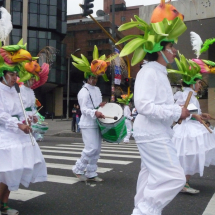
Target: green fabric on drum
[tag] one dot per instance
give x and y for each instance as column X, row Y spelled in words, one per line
column 113, row 132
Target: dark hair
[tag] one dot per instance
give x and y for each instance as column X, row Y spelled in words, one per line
column 188, row 85
column 154, row 56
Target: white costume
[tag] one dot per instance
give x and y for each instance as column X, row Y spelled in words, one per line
column 161, row 176
column 21, row 162
column 29, row 100
column 90, row 131
column 127, row 115
column 195, row 145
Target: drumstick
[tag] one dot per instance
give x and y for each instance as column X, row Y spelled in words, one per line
column 206, row 127
column 110, row 117
column 38, row 110
column 186, row 104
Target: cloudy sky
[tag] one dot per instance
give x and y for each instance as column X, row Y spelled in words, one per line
column 73, row 5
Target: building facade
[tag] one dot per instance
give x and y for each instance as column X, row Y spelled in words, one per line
column 43, row 23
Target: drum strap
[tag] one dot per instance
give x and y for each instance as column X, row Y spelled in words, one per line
column 91, row 98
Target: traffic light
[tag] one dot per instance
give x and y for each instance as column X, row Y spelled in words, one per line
column 87, row 7
column 126, row 82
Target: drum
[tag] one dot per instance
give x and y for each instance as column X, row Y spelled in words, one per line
column 112, row 130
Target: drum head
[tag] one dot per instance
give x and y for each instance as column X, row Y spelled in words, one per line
column 112, row 110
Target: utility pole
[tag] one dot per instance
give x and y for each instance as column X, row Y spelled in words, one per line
column 113, row 47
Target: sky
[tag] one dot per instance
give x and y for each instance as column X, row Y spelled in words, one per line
column 73, row 5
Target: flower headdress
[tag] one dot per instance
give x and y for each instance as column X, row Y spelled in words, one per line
column 169, row 29
column 188, row 69
column 125, row 99
column 97, row 67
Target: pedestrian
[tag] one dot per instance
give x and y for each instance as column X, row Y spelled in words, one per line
column 78, row 116
column 74, row 118
column 194, row 144
column 90, row 99
column 161, row 177
column 127, row 114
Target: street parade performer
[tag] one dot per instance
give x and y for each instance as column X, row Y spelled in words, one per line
column 194, row 144
column 89, row 99
column 125, row 100
column 161, row 176
column 33, row 76
column 22, row 163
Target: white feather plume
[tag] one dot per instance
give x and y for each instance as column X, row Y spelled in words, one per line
column 196, row 43
column 5, row 24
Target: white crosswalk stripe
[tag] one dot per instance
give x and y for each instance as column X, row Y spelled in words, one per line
column 67, row 154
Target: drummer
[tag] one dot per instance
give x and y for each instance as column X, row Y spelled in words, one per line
column 89, row 99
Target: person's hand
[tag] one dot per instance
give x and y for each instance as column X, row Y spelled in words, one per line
column 206, row 116
column 99, row 115
column 25, row 128
column 102, row 104
column 29, row 121
column 35, row 119
column 197, row 117
column 185, row 113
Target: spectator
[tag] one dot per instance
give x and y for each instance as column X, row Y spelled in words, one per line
column 73, row 118
column 78, row 116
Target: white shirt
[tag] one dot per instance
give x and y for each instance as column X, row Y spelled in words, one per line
column 28, row 99
column 9, row 108
column 154, row 102
column 88, row 118
column 127, row 112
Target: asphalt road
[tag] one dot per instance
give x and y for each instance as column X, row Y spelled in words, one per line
column 119, row 167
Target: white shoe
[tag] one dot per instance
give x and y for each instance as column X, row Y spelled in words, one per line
column 96, row 179
column 190, row 190
column 10, row 211
column 81, row 177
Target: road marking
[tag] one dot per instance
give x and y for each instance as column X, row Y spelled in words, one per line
column 81, row 148
column 101, row 154
column 103, row 147
column 99, row 161
column 113, row 145
column 24, row 195
column 62, row 179
column 210, row 209
column 69, row 167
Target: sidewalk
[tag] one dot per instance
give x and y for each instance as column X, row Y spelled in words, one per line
column 61, row 128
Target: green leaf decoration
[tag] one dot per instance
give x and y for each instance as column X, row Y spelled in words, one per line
column 13, row 48
column 105, row 77
column 95, row 53
column 111, row 57
column 208, row 62
column 103, row 57
column 206, row 45
column 85, row 60
column 129, row 37
column 1, row 60
column 78, row 60
column 82, row 67
column 154, row 34
column 188, row 69
column 138, row 56
column 131, row 46
column 20, row 42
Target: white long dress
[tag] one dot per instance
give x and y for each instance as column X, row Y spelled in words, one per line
column 20, row 162
column 127, row 114
column 195, row 145
column 91, row 134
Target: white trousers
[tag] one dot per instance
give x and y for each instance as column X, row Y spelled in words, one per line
column 160, row 179
column 129, row 129
column 90, row 154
